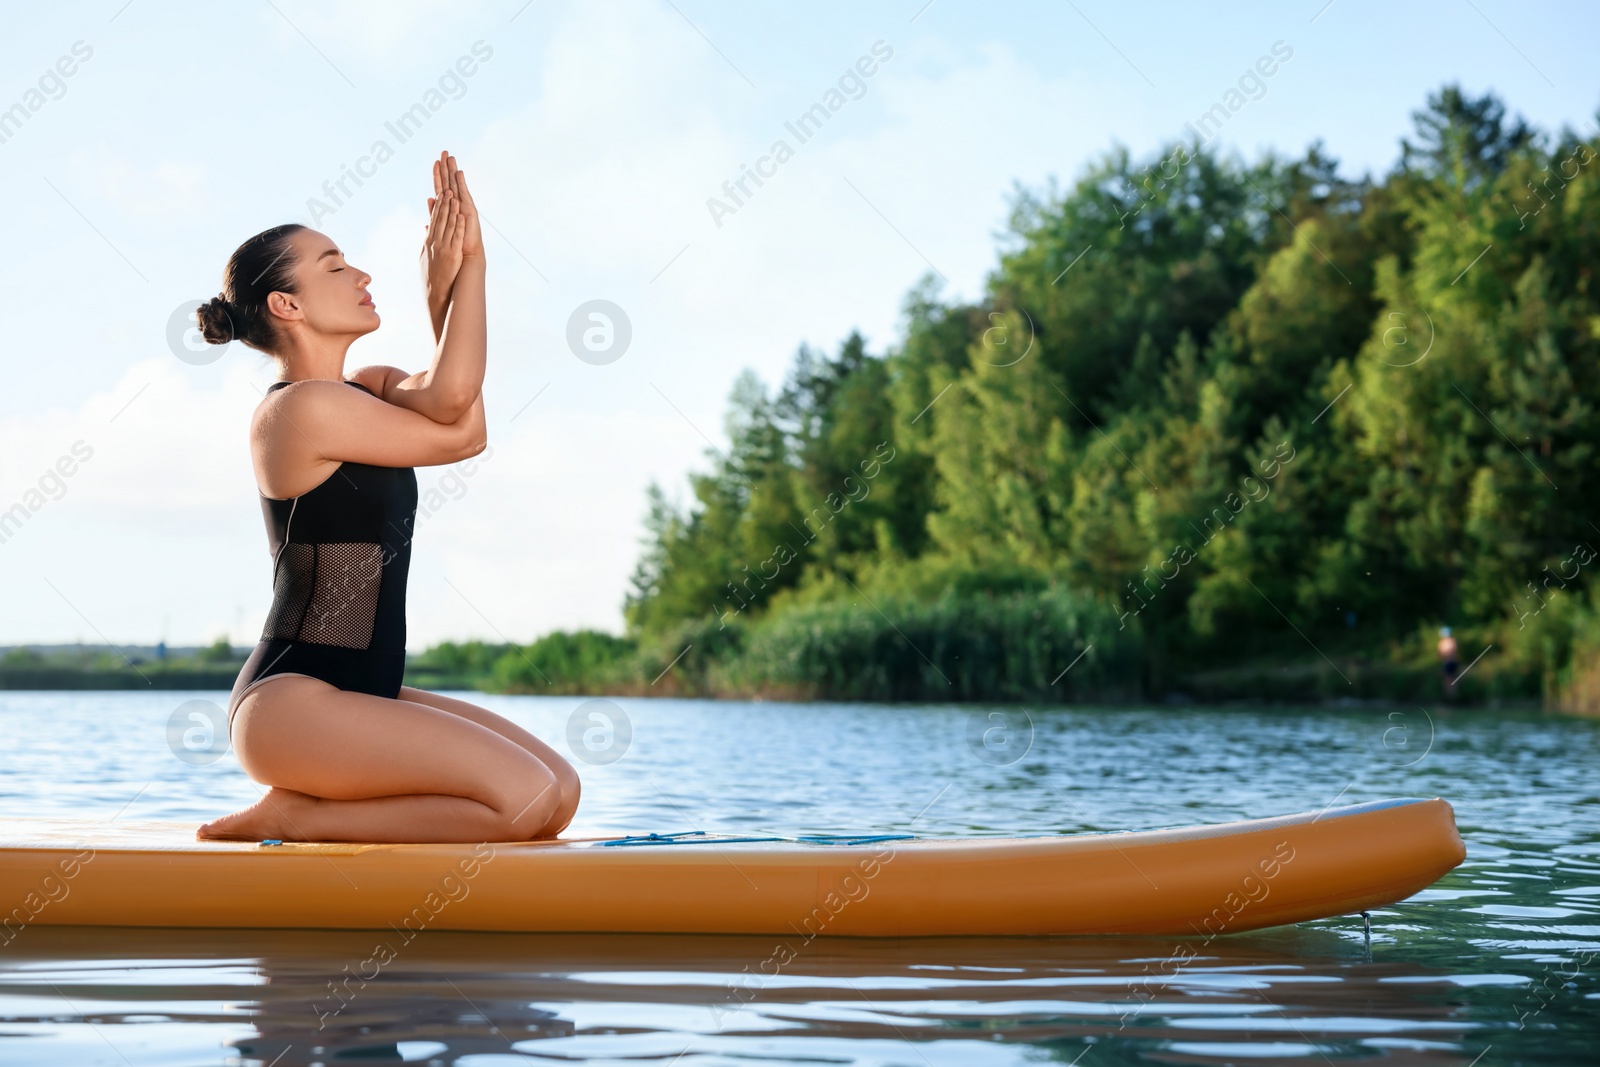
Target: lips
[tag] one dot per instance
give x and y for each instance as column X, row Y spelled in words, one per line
column 367, row 302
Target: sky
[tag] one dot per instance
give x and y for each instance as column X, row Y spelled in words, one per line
column 152, row 138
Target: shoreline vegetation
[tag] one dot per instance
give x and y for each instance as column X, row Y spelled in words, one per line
column 1024, row 649
column 1216, row 431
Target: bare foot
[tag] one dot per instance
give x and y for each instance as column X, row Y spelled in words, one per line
column 270, row 818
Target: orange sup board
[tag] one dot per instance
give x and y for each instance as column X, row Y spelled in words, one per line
column 1189, row 881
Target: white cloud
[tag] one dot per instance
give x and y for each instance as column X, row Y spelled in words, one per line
column 160, row 190
column 371, row 31
column 545, row 532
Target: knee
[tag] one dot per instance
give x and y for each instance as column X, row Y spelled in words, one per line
column 566, row 793
column 527, row 808
column 571, row 789
column 571, row 786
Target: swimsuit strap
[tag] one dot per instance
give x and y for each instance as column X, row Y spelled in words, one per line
column 275, row 385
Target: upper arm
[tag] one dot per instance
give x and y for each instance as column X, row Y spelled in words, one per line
column 413, row 391
column 380, row 379
column 322, row 420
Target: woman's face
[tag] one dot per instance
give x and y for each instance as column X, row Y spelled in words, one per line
column 332, row 297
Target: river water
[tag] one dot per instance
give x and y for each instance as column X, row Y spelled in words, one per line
column 1495, row 964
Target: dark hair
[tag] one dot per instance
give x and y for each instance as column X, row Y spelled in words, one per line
column 261, row 265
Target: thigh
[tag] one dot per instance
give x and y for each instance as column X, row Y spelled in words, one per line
column 498, row 723
column 303, row 734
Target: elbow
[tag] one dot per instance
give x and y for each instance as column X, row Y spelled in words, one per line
column 474, row 446
column 454, row 407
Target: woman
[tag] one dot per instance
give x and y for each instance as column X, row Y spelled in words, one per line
column 318, row 712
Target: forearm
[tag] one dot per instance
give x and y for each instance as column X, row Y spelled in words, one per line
column 438, row 305
column 445, row 390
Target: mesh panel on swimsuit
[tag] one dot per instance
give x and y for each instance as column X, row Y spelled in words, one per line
column 326, row 593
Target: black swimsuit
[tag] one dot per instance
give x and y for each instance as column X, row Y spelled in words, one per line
column 341, row 552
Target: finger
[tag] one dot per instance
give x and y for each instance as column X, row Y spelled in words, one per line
column 435, row 212
column 440, row 213
column 457, row 220
column 447, row 214
column 466, row 194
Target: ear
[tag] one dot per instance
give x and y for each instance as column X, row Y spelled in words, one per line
column 284, row 306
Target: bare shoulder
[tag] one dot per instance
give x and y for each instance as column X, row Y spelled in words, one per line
column 282, row 409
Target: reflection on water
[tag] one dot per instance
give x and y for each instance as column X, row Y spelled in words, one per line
column 1495, row 964
column 269, row 997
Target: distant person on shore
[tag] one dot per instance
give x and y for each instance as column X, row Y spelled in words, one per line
column 1447, row 656
column 319, row 712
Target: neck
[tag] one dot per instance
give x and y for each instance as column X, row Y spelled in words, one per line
column 322, row 356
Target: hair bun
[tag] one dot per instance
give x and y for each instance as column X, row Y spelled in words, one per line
column 265, row 264
column 218, row 320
